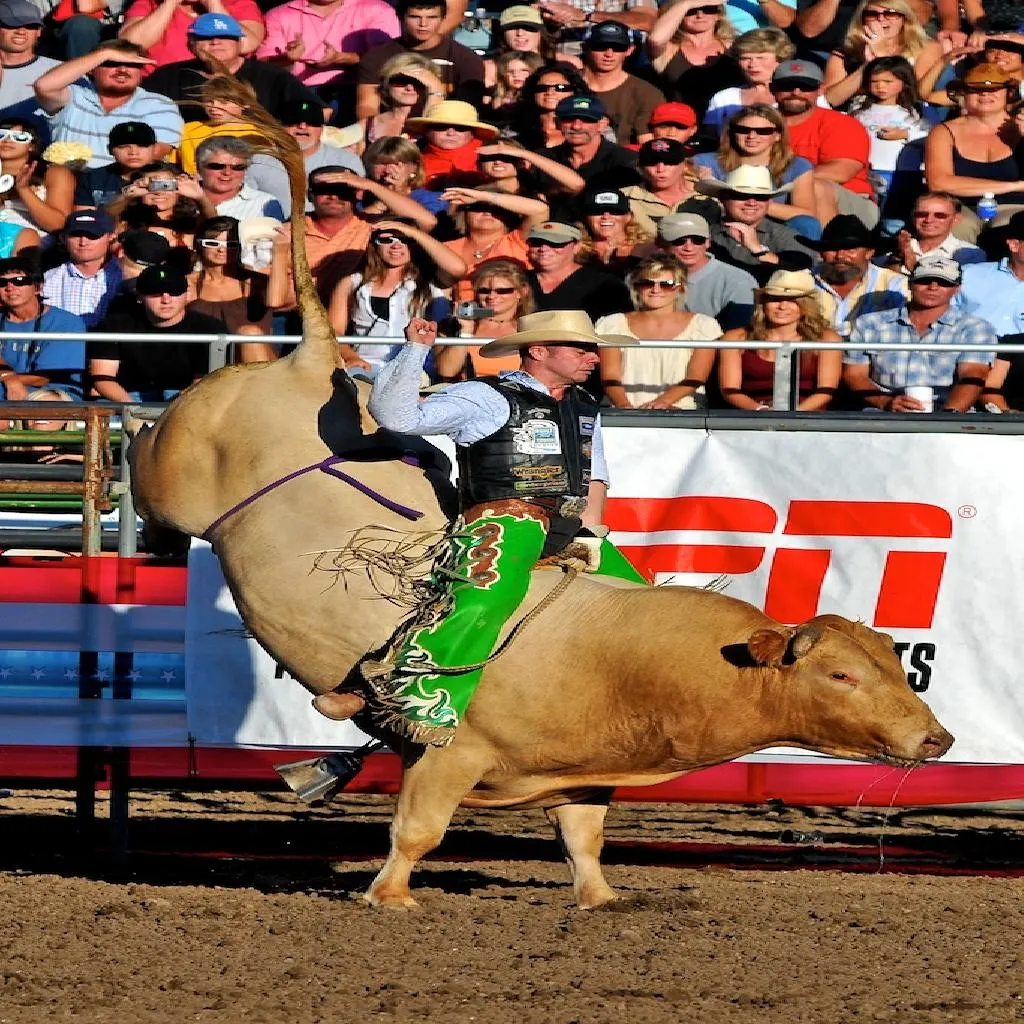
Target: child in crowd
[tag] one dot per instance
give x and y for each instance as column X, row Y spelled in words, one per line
column 889, row 108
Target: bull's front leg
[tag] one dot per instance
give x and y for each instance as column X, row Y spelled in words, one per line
column 431, row 790
column 580, row 830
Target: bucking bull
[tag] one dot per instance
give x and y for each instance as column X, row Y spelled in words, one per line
column 614, row 684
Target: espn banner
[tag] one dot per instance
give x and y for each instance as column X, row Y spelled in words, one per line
column 915, row 534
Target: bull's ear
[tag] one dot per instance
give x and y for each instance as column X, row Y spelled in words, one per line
column 803, row 641
column 768, row 647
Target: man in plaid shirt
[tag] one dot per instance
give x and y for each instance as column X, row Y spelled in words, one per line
column 882, row 379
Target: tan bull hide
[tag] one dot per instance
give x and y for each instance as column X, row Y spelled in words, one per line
column 613, row 685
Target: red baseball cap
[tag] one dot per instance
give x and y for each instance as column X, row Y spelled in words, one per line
column 674, row 113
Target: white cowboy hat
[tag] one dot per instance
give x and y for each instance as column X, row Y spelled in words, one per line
column 252, row 228
column 745, row 180
column 454, row 112
column 788, row 284
column 554, row 327
column 342, row 137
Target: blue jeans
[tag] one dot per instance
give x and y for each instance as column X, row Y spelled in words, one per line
column 806, row 225
column 156, row 395
column 80, row 35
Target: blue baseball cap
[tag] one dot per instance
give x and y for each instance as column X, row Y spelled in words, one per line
column 215, row 26
column 20, row 14
column 89, row 222
column 587, row 108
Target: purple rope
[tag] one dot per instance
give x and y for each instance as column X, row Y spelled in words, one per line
column 324, row 466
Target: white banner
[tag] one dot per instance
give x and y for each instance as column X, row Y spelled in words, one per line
column 904, row 531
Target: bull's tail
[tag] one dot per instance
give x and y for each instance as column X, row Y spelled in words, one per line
column 319, row 348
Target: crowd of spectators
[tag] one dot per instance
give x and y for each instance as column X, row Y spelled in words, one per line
column 700, row 170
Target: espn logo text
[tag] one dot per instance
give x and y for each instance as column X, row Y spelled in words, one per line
column 743, row 531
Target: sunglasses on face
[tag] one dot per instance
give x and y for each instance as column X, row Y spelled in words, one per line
column 602, row 47
column 692, row 239
column 748, row 129
column 217, row 243
column 651, row 282
column 404, row 80
column 217, row 165
column 522, row 28
column 495, row 291
column 979, row 89
column 559, row 87
column 537, row 243
column 113, row 64
column 930, row 213
column 874, row 15
column 15, row 282
column 934, row 280
column 781, row 87
column 28, row 28
column 14, row 135
column 389, row 240
column 338, row 191
column 706, row 9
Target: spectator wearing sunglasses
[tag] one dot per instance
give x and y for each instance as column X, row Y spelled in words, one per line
column 36, row 364
column 86, row 111
column 628, row 100
column 521, row 29
column 403, row 273
column 929, row 232
column 337, row 238
column 228, row 291
column 21, row 25
column 836, row 144
column 498, row 285
column 161, row 200
column 658, row 378
column 513, row 168
column 409, row 87
column 491, row 224
column 222, row 164
column 532, row 122
column 557, row 279
column 154, row 372
column 882, row 379
column 40, row 194
column 132, row 145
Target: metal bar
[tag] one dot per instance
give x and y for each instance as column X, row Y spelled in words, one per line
column 782, row 377
column 218, row 350
column 92, row 493
column 37, row 486
column 28, row 471
column 60, row 538
column 127, row 524
column 63, row 438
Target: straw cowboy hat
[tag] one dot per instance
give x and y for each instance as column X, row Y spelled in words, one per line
column 554, row 327
column 788, row 284
column 453, row 112
column 745, row 180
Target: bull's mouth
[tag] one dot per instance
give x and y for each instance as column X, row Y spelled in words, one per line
column 899, row 762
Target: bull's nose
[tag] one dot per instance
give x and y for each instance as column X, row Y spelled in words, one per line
column 936, row 743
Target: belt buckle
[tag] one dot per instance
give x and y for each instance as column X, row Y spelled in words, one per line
column 573, row 506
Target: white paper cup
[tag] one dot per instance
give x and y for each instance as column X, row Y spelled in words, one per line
column 925, row 395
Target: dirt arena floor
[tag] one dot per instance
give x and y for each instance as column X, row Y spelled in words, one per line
column 230, row 909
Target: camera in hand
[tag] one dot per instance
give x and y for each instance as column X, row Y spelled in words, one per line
column 471, row 311
column 162, row 185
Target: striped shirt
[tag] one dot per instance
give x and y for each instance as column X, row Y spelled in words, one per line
column 895, row 371
column 83, row 119
column 67, row 288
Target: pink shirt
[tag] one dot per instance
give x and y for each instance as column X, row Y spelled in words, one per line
column 173, row 46
column 354, row 27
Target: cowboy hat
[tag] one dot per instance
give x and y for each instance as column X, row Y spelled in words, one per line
column 844, row 231
column 553, row 327
column 453, row 112
column 252, row 228
column 788, row 284
column 745, row 180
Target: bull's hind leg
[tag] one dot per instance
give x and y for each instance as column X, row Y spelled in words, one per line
column 580, row 830
column 431, row 790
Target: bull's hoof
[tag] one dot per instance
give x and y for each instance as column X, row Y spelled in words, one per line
column 339, row 707
column 390, row 901
column 591, row 899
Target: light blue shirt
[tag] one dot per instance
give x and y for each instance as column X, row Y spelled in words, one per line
column 465, row 412
column 993, row 291
column 745, row 15
column 85, row 120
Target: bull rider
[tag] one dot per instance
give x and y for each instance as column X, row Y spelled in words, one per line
column 532, row 480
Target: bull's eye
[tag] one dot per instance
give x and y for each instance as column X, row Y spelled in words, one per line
column 841, row 677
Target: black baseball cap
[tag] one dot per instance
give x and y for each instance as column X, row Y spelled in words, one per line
column 131, row 133
column 607, row 201
column 587, row 108
column 608, row 33
column 1015, row 226
column 662, row 151
column 299, row 111
column 92, row 223
column 146, row 248
column 160, row 281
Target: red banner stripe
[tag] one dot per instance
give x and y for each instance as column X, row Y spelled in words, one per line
column 706, row 558
column 648, row 515
column 867, row 519
column 91, row 580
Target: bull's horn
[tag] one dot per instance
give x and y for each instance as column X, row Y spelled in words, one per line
column 317, row 779
column 804, row 640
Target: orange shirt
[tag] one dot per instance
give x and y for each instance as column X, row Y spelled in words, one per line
column 333, row 257
column 511, row 246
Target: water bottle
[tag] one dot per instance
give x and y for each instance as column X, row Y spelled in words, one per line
column 988, row 207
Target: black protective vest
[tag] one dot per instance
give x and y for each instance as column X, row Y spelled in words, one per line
column 543, row 450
